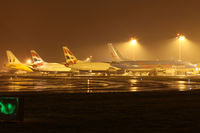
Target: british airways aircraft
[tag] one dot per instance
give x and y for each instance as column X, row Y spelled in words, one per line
column 40, row 65
column 79, row 65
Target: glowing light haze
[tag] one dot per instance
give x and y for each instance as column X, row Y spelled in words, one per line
column 87, row 26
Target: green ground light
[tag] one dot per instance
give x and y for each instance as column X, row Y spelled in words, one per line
column 7, row 108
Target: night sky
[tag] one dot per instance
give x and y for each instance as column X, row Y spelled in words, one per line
column 86, row 26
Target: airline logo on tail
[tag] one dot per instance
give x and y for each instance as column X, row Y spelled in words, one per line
column 114, row 53
column 14, row 63
column 12, row 58
column 37, row 60
column 70, row 58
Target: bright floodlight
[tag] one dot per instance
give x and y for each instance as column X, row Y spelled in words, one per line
column 133, row 41
column 28, row 61
column 181, row 37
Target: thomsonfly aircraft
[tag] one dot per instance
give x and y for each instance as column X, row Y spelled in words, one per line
column 146, row 65
column 14, row 63
column 40, row 65
column 78, row 65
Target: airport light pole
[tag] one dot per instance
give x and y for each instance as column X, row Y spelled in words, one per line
column 180, row 39
column 133, row 42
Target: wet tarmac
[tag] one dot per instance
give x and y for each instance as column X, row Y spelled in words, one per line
column 92, row 85
column 87, row 104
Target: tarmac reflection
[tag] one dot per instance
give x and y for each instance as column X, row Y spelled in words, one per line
column 92, row 85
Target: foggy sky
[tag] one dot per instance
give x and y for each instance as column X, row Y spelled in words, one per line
column 85, row 26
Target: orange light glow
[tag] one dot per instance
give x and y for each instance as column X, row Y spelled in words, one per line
column 28, row 61
column 181, row 37
column 133, row 41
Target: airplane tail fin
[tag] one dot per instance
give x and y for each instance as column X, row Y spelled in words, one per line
column 11, row 57
column 114, row 53
column 37, row 60
column 69, row 57
column 88, row 59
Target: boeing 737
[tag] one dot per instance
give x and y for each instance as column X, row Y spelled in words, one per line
column 14, row 63
column 40, row 65
column 78, row 65
column 148, row 66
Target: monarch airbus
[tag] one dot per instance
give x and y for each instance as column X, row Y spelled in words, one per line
column 14, row 63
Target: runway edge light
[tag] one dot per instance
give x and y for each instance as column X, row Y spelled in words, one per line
column 11, row 109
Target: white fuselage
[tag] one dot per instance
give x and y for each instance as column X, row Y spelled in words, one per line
column 91, row 66
column 53, row 67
